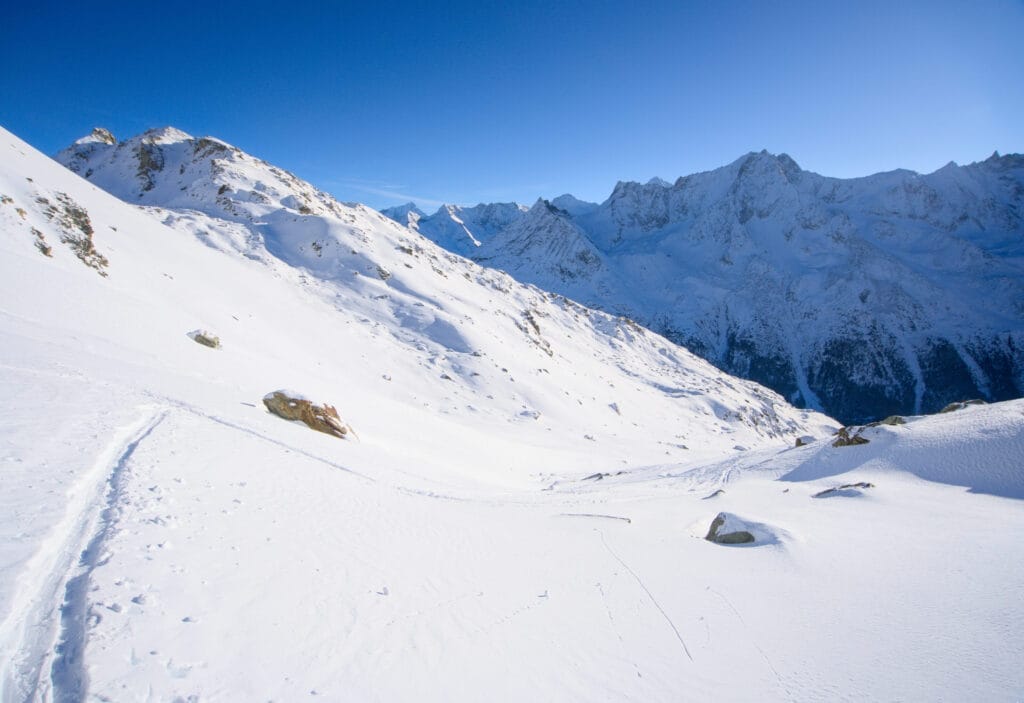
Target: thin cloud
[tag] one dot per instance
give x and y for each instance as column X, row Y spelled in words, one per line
column 388, row 191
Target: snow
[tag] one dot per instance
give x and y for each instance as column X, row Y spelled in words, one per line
column 162, row 536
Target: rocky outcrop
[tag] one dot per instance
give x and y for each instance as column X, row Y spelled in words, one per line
column 960, row 405
column 293, row 406
column 76, row 230
column 844, row 438
column 847, row 489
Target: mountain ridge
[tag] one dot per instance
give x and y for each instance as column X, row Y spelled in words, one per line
column 891, row 293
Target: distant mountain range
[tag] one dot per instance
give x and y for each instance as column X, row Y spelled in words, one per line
column 894, row 293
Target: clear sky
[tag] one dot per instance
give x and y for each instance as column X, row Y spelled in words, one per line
column 463, row 102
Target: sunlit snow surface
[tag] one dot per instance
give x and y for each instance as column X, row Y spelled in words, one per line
column 520, row 517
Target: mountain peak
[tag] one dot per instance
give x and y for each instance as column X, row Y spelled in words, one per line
column 165, row 135
column 99, row 135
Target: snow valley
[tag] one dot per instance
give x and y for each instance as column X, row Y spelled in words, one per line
column 518, row 506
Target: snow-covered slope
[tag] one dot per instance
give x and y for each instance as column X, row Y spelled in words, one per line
column 898, row 292
column 518, row 516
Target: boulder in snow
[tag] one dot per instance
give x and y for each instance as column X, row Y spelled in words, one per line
column 726, row 528
column 207, row 339
column 292, row 406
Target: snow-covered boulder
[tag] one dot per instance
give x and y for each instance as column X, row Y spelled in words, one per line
column 726, row 528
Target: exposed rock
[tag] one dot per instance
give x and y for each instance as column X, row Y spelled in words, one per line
column 847, row 489
column 803, row 440
column 44, row 248
column 720, row 491
column 207, row 339
column 843, row 438
column 77, row 230
column 598, row 476
column 102, row 136
column 292, row 406
column 952, row 407
column 891, row 420
column 728, row 529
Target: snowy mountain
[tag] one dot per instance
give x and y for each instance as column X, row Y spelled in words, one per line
column 898, row 292
column 408, row 215
column 461, row 230
column 519, row 509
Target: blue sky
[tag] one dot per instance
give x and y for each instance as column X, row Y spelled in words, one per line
column 384, row 102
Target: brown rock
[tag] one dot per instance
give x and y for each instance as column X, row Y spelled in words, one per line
column 322, row 418
column 207, row 339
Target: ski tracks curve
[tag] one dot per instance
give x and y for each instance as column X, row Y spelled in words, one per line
column 45, row 631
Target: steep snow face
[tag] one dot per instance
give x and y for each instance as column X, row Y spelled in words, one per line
column 526, row 489
column 892, row 293
column 463, row 230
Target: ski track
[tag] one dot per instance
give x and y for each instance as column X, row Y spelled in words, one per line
column 623, row 651
column 241, row 428
column 764, row 655
column 68, row 674
column 650, row 595
column 36, row 609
